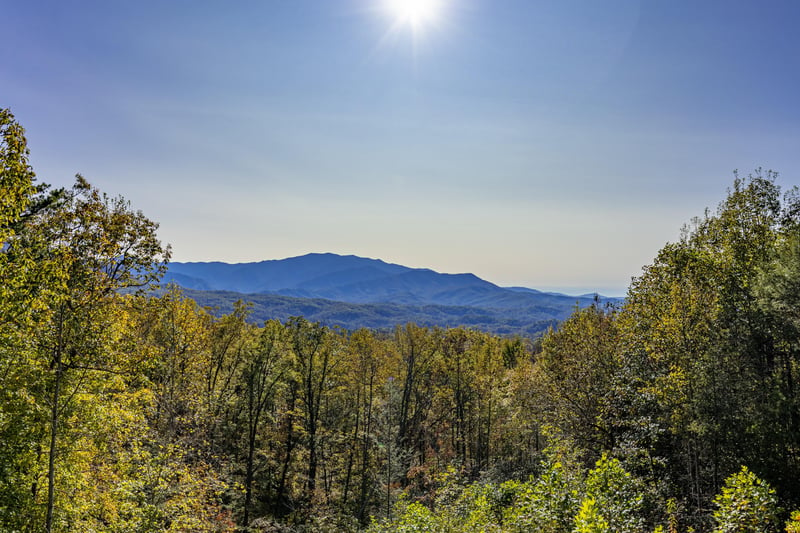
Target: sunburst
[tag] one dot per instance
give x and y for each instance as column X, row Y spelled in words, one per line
column 415, row 13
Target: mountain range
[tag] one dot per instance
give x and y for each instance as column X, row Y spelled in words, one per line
column 353, row 292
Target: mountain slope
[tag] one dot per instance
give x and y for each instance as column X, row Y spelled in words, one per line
column 355, row 292
column 312, row 272
column 359, row 280
column 385, row 316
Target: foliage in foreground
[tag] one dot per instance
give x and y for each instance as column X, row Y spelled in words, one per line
column 608, row 499
column 125, row 412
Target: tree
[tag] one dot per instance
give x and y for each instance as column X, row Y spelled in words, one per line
column 315, row 354
column 778, row 294
column 574, row 376
column 174, row 335
column 612, row 502
column 746, row 504
column 418, row 348
column 18, row 430
column 16, row 176
column 100, row 247
column 549, row 502
column 364, row 360
column 260, row 375
column 711, row 350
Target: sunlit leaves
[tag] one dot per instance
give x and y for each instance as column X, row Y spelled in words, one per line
column 746, row 505
column 16, row 176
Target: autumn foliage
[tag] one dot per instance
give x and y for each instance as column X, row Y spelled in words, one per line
column 125, row 409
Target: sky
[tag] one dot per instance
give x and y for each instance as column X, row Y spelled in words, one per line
column 556, row 144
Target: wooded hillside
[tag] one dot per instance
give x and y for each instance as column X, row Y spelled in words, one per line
column 120, row 411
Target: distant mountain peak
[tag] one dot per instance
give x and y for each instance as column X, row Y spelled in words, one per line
column 353, row 292
column 353, row 279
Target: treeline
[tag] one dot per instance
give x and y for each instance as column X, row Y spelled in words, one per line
column 680, row 410
column 527, row 322
column 120, row 411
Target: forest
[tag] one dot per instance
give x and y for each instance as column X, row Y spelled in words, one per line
column 128, row 410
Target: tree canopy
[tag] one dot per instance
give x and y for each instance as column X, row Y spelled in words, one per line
column 123, row 409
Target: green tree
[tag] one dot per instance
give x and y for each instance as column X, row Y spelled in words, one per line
column 365, row 357
column 418, row 349
column 16, row 176
column 746, row 504
column 173, row 335
column 793, row 524
column 548, row 502
column 778, row 294
column 613, row 500
column 574, row 377
column 709, row 354
column 261, row 373
column 19, row 432
column 100, row 246
column 315, row 353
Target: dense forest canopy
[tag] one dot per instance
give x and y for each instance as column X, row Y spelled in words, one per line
column 122, row 411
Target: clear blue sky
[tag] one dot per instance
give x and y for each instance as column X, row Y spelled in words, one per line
column 555, row 145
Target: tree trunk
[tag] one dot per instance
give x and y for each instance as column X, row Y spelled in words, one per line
column 51, row 467
column 251, row 447
column 362, row 497
column 282, row 497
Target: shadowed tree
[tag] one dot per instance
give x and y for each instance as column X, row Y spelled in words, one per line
column 314, row 351
column 261, row 373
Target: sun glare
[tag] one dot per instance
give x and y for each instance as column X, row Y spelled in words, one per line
column 415, row 13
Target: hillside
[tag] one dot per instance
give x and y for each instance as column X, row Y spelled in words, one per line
column 355, row 292
column 528, row 322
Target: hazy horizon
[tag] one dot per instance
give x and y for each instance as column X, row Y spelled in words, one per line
column 571, row 291
column 550, row 145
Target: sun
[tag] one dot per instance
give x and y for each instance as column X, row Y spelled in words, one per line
column 414, row 13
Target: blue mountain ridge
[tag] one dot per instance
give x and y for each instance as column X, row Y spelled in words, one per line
column 354, row 291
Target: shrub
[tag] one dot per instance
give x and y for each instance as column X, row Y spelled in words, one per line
column 746, row 504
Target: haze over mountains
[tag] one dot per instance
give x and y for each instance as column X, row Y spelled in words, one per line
column 354, row 292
